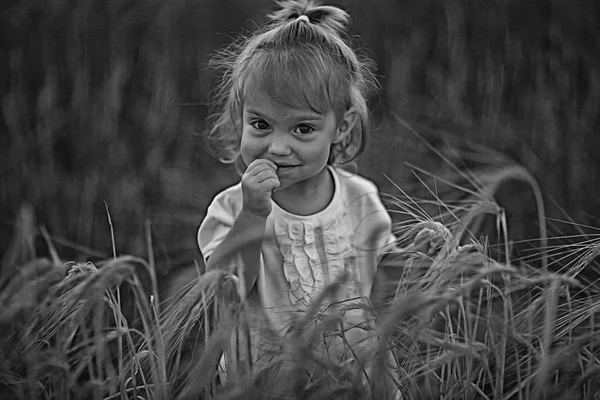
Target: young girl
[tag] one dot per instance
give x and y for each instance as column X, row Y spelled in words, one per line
column 292, row 109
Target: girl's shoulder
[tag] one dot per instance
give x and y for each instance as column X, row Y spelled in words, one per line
column 355, row 184
column 363, row 208
column 360, row 196
column 228, row 200
column 230, row 192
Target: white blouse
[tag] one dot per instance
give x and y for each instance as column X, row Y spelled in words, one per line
column 303, row 254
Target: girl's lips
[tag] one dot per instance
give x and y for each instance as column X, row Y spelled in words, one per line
column 285, row 168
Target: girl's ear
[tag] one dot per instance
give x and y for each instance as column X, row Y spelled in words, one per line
column 346, row 125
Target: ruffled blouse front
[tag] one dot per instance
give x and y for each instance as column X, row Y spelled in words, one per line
column 316, row 250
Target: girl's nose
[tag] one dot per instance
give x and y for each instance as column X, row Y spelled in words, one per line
column 278, row 145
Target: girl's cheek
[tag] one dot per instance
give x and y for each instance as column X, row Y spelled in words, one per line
column 253, row 145
column 250, row 149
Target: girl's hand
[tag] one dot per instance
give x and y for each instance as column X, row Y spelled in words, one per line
column 430, row 238
column 258, row 183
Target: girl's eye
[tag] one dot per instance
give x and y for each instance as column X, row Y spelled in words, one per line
column 260, row 125
column 304, row 129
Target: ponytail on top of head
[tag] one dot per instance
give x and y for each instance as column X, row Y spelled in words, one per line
column 328, row 17
column 301, row 57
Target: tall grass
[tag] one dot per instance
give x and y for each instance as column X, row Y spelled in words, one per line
column 460, row 325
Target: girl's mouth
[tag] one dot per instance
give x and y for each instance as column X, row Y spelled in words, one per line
column 285, row 168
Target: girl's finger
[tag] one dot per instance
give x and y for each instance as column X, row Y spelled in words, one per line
column 259, row 165
column 266, row 172
column 270, row 182
column 269, row 163
column 256, row 169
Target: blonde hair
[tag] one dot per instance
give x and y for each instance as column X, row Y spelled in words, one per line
column 299, row 63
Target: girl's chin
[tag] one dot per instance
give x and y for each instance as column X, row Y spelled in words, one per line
column 282, row 186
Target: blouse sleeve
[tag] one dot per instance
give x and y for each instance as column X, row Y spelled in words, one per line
column 387, row 239
column 374, row 228
column 220, row 216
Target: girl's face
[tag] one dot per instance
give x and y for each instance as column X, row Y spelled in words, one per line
column 298, row 141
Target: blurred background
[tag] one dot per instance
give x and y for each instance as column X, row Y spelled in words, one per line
column 103, row 104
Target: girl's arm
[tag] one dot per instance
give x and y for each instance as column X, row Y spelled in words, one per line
column 242, row 242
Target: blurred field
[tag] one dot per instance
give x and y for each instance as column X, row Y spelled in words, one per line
column 103, row 102
column 101, row 157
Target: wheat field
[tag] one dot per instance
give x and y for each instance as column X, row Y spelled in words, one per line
column 460, row 324
column 492, row 113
